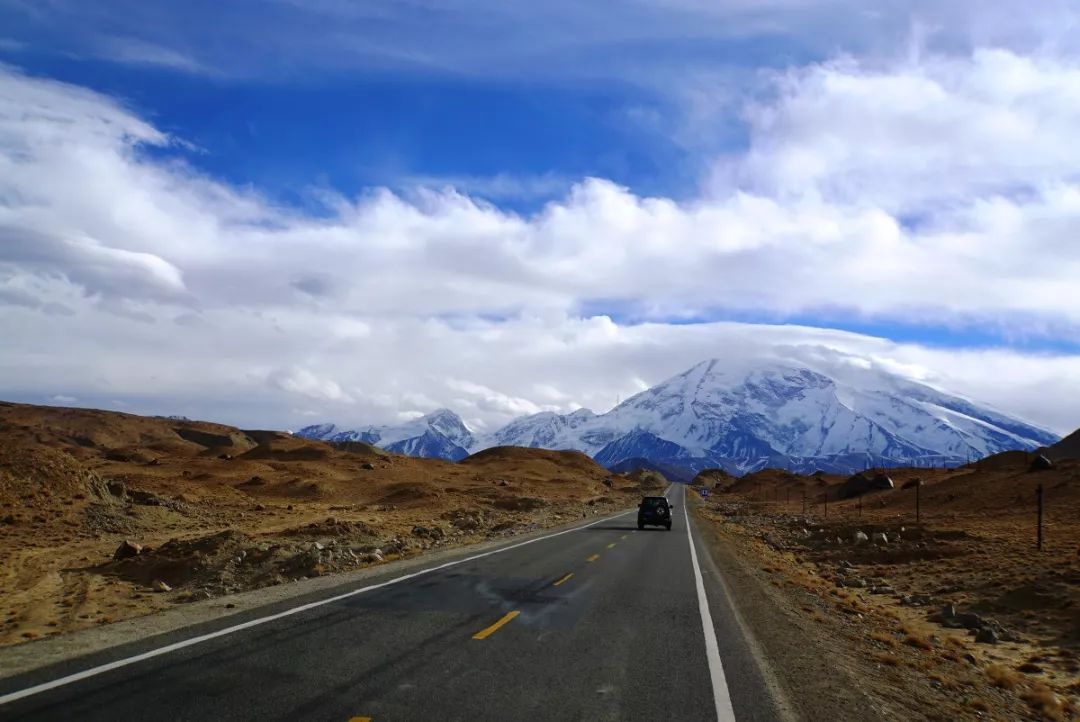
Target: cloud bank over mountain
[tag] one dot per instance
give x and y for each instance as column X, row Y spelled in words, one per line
column 931, row 190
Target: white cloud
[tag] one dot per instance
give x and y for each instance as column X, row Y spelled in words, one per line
column 303, row 382
column 134, row 51
column 183, row 291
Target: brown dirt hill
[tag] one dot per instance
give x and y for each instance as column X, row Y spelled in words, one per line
column 536, row 460
column 74, row 483
column 714, row 479
column 1067, row 448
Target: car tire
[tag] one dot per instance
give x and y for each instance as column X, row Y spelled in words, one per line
column 668, row 525
column 640, row 525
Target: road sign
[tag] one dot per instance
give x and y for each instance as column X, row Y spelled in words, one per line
column 704, row 493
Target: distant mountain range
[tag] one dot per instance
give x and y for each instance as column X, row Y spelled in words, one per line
column 741, row 418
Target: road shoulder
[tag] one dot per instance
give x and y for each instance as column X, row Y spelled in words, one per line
column 807, row 670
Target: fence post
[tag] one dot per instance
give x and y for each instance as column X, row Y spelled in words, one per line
column 1039, row 499
column 918, row 504
column 804, row 502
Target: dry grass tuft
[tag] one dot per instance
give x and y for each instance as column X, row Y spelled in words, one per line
column 1044, row 702
column 1002, row 677
column 957, row 642
column 918, row 641
column 889, row 660
column 887, row 639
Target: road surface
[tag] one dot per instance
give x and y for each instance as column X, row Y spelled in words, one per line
column 600, row 622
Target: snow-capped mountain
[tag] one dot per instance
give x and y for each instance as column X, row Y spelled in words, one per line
column 748, row 417
column 438, row 435
column 743, row 418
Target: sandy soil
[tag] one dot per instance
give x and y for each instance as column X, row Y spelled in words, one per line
column 908, row 616
column 216, row 510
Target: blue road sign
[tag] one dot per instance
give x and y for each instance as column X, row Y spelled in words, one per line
column 704, row 493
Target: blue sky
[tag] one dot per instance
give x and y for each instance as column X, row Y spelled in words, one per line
column 373, row 169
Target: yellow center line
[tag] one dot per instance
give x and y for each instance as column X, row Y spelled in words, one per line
column 611, row 545
column 563, row 579
column 593, row 558
column 359, row 719
column 485, row 633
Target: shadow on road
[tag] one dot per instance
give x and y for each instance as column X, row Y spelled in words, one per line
column 623, row 527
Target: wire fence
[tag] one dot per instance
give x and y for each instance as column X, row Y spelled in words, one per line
column 911, row 508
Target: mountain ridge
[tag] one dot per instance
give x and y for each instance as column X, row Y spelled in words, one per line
column 744, row 419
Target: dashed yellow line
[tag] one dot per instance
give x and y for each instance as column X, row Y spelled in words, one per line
column 485, row 633
column 593, row 558
column 359, row 719
column 563, row 579
column 611, row 545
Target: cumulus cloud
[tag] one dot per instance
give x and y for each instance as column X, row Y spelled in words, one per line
column 896, row 191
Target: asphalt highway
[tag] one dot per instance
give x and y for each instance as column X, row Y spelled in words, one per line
column 600, row 622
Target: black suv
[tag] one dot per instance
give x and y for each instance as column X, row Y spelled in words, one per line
column 654, row 510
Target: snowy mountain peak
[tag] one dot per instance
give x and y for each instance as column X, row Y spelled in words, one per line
column 439, row 434
column 450, row 425
column 744, row 416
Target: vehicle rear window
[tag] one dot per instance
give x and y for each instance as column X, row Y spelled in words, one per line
column 653, row 501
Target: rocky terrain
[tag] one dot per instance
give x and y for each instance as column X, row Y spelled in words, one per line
column 104, row 516
column 954, row 613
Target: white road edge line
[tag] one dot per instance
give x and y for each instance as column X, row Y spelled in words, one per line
column 108, row 667
column 721, row 695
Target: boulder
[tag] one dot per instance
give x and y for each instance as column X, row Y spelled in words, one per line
column 159, row 586
column 1041, row 463
column 367, row 466
column 883, row 482
column 859, row 538
column 127, row 549
column 859, row 484
column 986, row 635
column 879, row 537
column 912, row 483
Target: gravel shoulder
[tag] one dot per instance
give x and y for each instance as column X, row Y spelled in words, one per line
column 791, row 646
column 851, row 653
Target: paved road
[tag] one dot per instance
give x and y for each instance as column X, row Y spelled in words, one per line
column 603, row 622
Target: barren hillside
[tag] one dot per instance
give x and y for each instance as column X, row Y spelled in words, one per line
column 954, row 593
column 217, row 509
